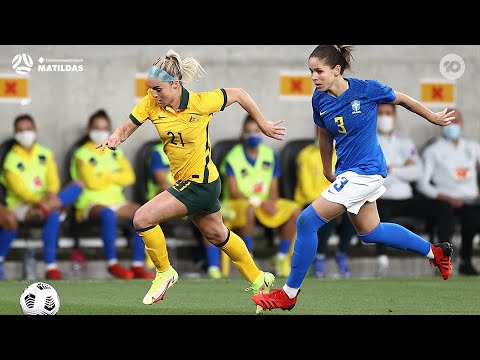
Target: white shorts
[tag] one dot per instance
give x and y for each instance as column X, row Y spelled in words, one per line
column 114, row 208
column 21, row 211
column 353, row 190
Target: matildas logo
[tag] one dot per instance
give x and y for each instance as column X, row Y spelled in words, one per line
column 356, row 107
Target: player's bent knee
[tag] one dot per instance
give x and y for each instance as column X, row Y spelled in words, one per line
column 140, row 221
column 372, row 237
column 308, row 221
column 215, row 235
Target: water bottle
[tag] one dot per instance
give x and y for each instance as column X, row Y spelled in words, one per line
column 30, row 265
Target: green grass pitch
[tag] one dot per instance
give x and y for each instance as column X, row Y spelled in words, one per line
column 387, row 296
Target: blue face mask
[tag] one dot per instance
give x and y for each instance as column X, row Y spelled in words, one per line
column 253, row 140
column 452, row 131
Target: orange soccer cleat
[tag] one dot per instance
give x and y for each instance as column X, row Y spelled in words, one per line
column 277, row 299
column 442, row 253
column 53, row 274
column 139, row 272
column 119, row 272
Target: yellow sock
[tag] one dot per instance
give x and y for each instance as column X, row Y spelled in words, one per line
column 156, row 246
column 225, row 264
column 237, row 251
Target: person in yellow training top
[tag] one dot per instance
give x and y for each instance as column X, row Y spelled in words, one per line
column 105, row 175
column 310, row 183
column 181, row 118
column 33, row 192
column 252, row 171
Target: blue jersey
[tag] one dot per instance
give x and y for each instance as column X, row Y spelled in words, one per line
column 351, row 120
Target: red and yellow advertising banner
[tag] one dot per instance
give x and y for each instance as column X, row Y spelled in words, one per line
column 295, row 86
column 14, row 88
column 141, row 86
column 439, row 92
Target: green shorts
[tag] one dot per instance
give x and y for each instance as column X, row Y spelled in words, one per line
column 200, row 199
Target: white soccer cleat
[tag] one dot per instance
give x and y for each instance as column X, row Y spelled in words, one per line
column 160, row 285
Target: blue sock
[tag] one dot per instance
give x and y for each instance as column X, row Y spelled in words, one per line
column 248, row 242
column 108, row 220
column 305, row 247
column 138, row 248
column 398, row 237
column 213, row 255
column 68, row 195
column 284, row 246
column 6, row 238
column 50, row 236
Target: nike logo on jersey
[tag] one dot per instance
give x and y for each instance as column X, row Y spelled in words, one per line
column 322, row 113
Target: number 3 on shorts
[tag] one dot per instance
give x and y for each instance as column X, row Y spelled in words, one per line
column 340, row 183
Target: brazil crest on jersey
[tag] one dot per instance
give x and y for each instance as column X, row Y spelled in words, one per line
column 351, row 120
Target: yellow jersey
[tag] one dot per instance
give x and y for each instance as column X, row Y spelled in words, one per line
column 184, row 133
column 29, row 175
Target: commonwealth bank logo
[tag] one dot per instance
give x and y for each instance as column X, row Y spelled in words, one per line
column 22, row 64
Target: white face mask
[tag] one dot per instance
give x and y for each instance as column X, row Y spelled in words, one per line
column 98, row 136
column 385, row 123
column 26, row 138
column 452, row 131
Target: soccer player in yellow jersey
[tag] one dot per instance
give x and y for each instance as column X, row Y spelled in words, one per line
column 33, row 193
column 106, row 174
column 181, row 118
column 251, row 171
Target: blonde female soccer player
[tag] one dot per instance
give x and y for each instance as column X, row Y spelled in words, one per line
column 181, row 118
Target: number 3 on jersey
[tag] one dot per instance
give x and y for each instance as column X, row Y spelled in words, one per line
column 340, row 183
column 341, row 125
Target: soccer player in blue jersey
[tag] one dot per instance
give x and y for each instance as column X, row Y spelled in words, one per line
column 345, row 109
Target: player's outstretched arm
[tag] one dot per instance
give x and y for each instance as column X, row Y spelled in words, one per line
column 441, row 118
column 271, row 129
column 119, row 135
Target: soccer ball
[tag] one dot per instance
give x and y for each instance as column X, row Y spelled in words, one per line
column 39, row 299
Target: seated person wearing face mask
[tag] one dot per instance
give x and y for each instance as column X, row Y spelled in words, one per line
column 404, row 169
column 105, row 175
column 33, row 193
column 251, row 193
column 450, row 177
